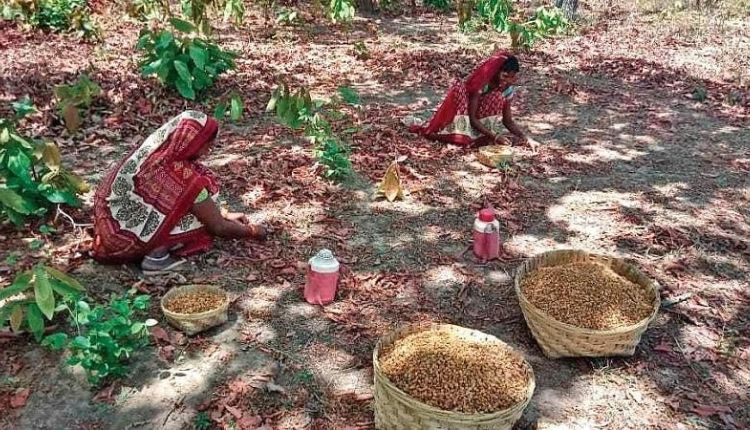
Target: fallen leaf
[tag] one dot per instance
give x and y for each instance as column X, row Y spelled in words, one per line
column 707, row 410
column 234, row 411
column 19, row 398
column 391, row 183
column 250, row 422
column 160, row 334
column 663, row 347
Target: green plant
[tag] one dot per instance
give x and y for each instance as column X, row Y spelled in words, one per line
column 31, row 174
column 106, row 336
column 360, row 50
column 544, row 23
column 234, row 105
column 286, row 16
column 55, row 15
column 298, row 111
column 72, row 98
column 443, row 5
column 496, row 13
column 33, row 295
column 190, row 64
column 197, row 11
column 700, row 93
column 202, row 421
column 341, row 10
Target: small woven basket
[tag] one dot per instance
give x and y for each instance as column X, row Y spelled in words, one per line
column 494, row 155
column 195, row 323
column 396, row 410
column 558, row 339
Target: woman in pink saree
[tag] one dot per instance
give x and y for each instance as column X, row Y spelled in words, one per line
column 475, row 111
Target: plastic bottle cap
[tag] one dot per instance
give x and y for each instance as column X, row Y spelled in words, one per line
column 487, row 215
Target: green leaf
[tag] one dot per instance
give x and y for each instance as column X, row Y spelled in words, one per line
column 20, row 164
column 183, row 71
column 185, row 89
column 20, row 284
column 23, row 107
column 350, row 96
column 137, row 328
column 43, row 292
column 182, row 25
column 64, row 278
column 221, row 111
column 198, row 55
column 61, row 196
column 237, row 108
column 201, row 80
column 81, row 342
column 35, row 320
column 55, row 341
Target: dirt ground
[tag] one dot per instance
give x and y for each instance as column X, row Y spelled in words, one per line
column 630, row 164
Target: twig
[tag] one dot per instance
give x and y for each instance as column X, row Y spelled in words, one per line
column 666, row 303
column 72, row 221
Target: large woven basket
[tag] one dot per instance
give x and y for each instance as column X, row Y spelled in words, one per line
column 396, row 410
column 195, row 323
column 558, row 339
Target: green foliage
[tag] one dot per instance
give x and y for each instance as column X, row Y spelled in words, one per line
column 202, row 421
column 55, row 15
column 32, row 178
column 544, row 23
column 700, row 93
column 350, row 96
column 443, row 5
column 298, row 111
column 234, row 106
column 341, row 10
column 106, row 336
column 71, row 99
column 197, row 12
column 35, row 294
column 360, row 50
column 287, row 16
column 189, row 64
column 524, row 32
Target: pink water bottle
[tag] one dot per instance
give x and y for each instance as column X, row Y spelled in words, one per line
column 486, row 235
column 322, row 278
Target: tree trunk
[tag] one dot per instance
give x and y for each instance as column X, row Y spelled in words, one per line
column 569, row 8
column 465, row 8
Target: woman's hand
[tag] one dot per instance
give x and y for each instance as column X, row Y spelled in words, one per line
column 237, row 216
column 259, row 231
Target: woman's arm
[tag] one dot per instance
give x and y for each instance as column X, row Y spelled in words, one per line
column 473, row 107
column 208, row 214
column 510, row 124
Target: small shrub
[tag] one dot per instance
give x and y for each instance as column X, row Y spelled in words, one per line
column 106, row 336
column 298, row 111
column 202, row 421
column 71, row 99
column 360, row 50
column 700, row 94
column 287, row 16
column 443, row 5
column 234, row 105
column 189, row 64
column 34, row 294
column 32, row 178
column 54, row 15
column 341, row 10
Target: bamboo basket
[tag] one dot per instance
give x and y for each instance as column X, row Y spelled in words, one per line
column 494, row 155
column 195, row 323
column 558, row 339
column 396, row 410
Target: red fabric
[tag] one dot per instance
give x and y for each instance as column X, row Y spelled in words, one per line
column 456, row 102
column 170, row 180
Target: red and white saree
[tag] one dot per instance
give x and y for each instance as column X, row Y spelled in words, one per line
column 451, row 123
column 145, row 202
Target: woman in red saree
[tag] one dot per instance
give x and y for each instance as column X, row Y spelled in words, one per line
column 158, row 202
column 474, row 112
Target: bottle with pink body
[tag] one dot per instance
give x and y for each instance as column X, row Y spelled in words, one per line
column 486, row 235
column 322, row 278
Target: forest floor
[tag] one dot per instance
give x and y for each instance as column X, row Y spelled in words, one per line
column 630, row 164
